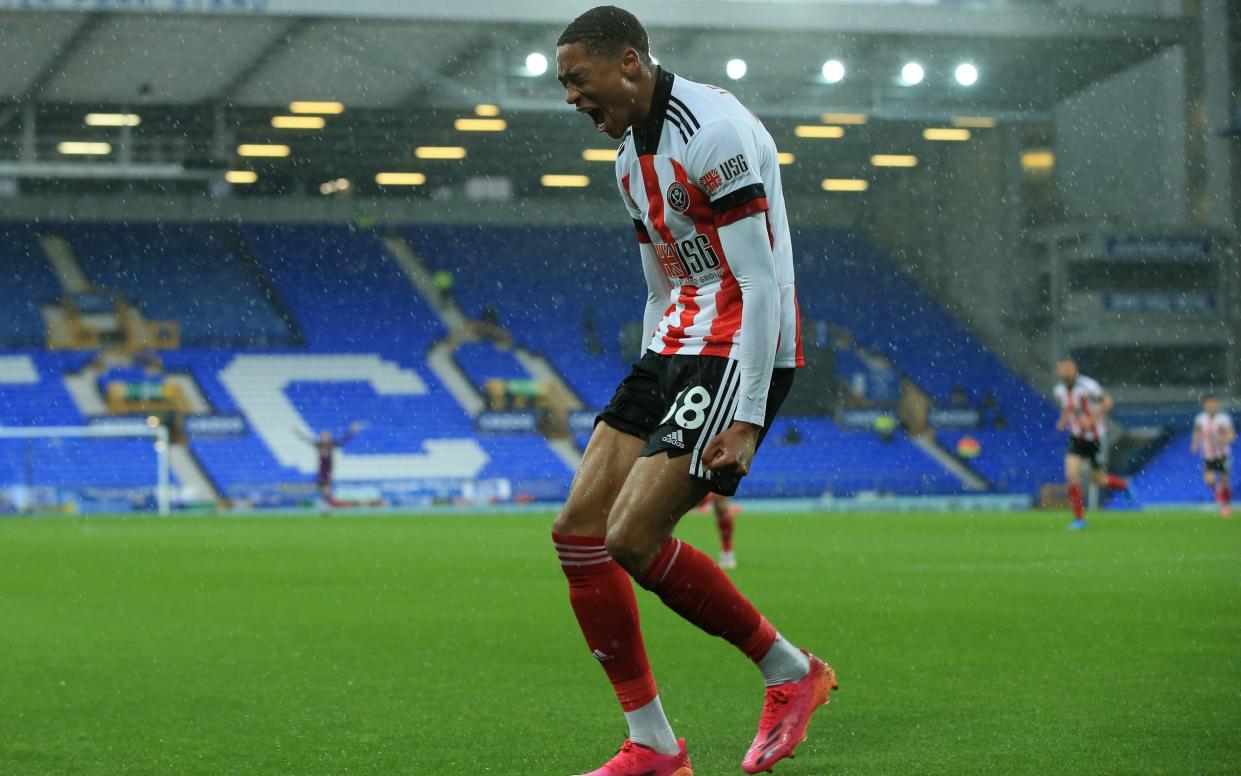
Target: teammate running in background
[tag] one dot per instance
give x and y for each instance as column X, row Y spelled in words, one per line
column 698, row 174
column 325, row 445
column 725, row 522
column 1213, row 437
column 1083, row 413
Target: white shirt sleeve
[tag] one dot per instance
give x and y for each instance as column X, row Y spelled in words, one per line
column 723, row 160
column 748, row 251
column 658, row 291
column 658, row 287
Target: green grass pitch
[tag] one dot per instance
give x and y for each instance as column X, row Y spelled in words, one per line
column 965, row 644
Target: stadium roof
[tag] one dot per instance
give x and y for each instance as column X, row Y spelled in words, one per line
column 387, row 56
column 203, row 83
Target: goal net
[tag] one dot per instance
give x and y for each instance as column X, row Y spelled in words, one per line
column 84, row 469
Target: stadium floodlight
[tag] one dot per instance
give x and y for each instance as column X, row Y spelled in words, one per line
column 894, row 160
column 599, row 154
column 298, row 122
column 833, row 71
column 565, row 181
column 272, row 150
column 912, row 74
column 956, row 134
column 79, row 148
column 241, row 177
column 480, row 125
column 487, row 110
column 400, row 179
column 845, row 184
column 819, row 131
column 440, row 152
column 1038, row 160
column 330, row 108
column 967, row 74
column 736, row 69
column 112, row 119
column 856, row 119
column 536, row 63
column 974, row 122
column 44, row 444
column 784, row 157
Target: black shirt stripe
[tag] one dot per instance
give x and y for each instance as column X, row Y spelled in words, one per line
column 672, row 117
column 673, row 113
column 685, row 108
column 739, row 197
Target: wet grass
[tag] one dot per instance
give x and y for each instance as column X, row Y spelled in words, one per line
column 444, row 645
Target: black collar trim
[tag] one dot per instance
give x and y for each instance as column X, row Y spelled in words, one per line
column 646, row 136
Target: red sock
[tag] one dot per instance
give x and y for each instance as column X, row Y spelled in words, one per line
column 726, row 524
column 607, row 612
column 694, row 587
column 1116, row 483
column 1225, row 495
column 1075, row 498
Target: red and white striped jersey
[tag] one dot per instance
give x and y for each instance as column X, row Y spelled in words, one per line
column 1213, row 431
column 700, row 162
column 1085, row 416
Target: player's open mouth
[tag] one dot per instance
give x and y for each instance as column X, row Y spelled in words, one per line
column 598, row 116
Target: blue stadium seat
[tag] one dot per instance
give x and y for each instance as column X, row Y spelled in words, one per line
column 26, row 281
column 166, row 268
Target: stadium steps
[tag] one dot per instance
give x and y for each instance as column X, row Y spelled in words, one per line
column 454, row 319
column 970, row 479
column 410, row 263
column 446, row 368
column 195, row 485
column 441, row 361
column 65, row 264
column 83, row 387
column 267, row 287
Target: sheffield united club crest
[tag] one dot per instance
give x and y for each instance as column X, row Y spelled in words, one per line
column 678, row 197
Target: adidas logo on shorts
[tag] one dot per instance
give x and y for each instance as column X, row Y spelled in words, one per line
column 675, row 438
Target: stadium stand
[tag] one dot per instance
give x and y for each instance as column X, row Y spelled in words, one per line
column 483, row 361
column 1172, row 475
column 546, row 283
column 138, row 261
column 121, row 471
column 828, row 459
column 859, row 287
column 25, row 282
column 1013, row 461
column 349, row 298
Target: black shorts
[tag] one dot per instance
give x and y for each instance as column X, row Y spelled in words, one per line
column 1221, row 465
column 1086, row 449
column 678, row 403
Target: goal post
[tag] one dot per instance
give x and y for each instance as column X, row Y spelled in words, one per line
column 49, row 466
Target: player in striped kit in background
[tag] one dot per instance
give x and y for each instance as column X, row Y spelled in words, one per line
column 1084, row 406
column 1213, row 438
column 725, row 512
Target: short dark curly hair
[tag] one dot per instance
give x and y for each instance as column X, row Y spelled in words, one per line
column 607, row 29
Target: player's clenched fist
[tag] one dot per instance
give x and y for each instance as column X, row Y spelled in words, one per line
column 732, row 450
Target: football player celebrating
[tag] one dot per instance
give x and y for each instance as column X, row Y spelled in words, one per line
column 699, row 175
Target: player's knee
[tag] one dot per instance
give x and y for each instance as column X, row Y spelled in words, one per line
column 631, row 551
column 574, row 520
